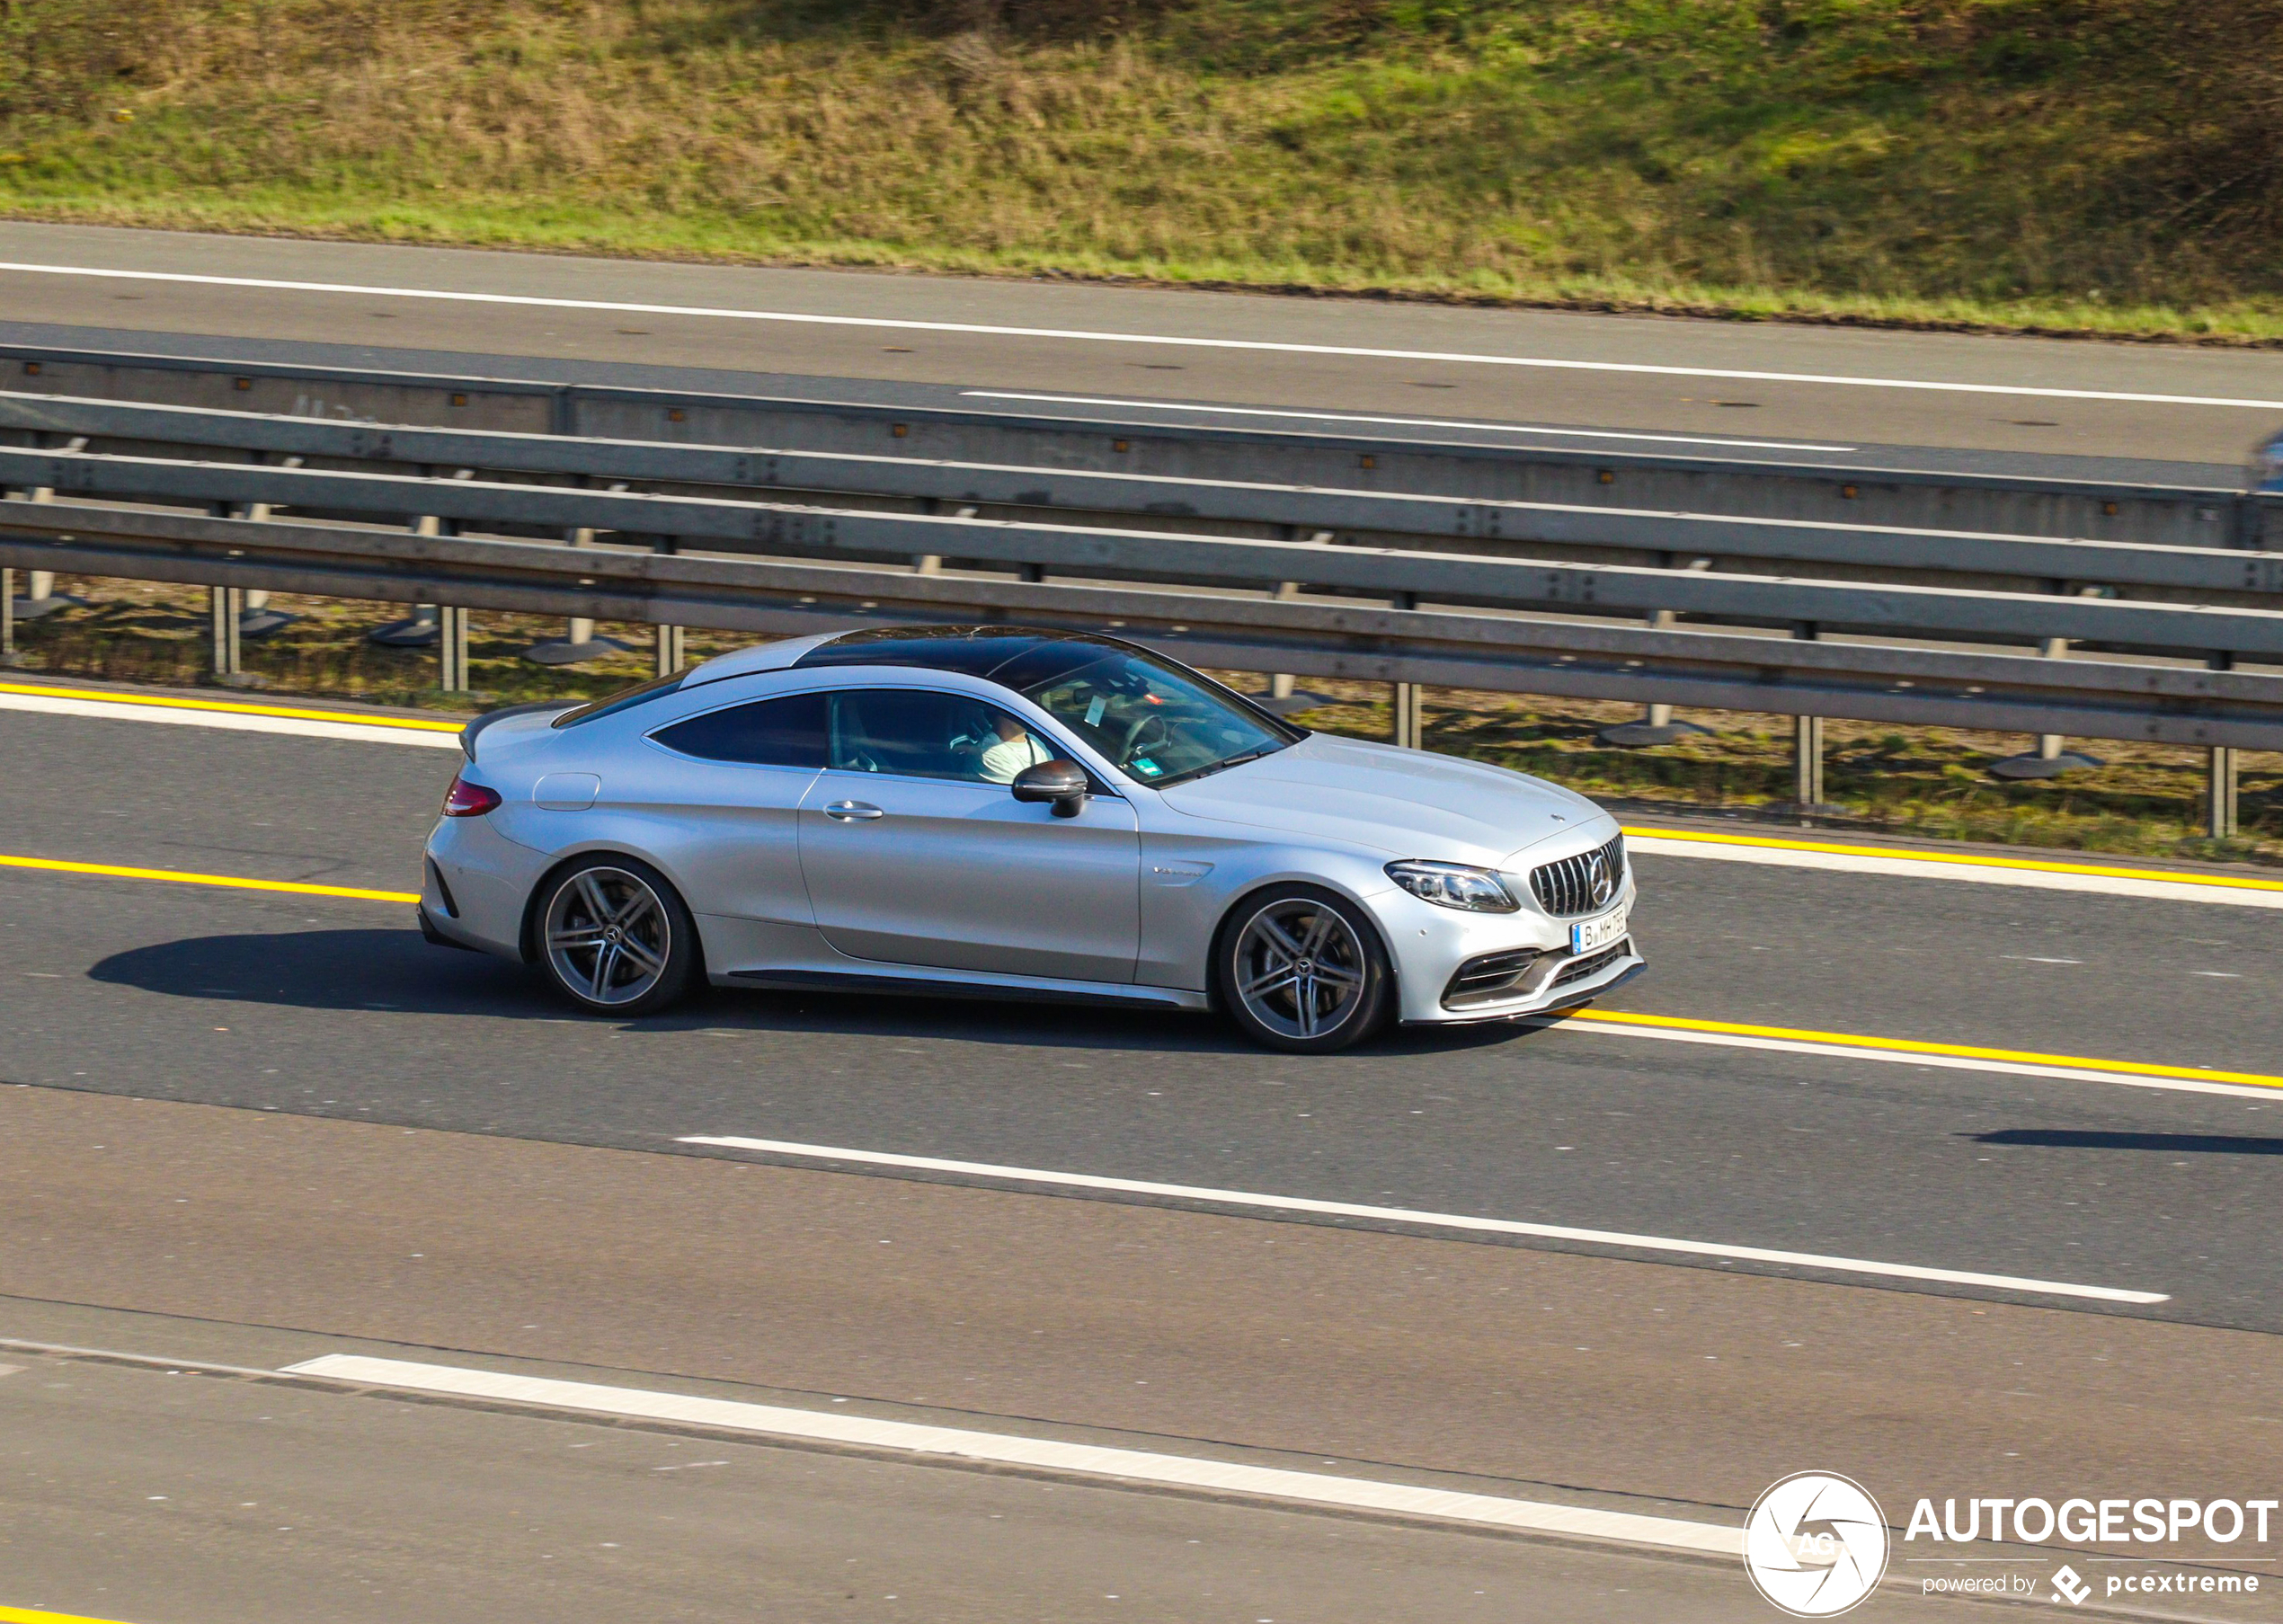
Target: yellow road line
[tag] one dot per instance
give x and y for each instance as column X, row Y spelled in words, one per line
column 25, row 1615
column 1904, row 1046
column 233, row 881
column 234, row 708
column 1961, row 859
column 1668, row 1023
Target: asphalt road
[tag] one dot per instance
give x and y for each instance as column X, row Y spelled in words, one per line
column 337, row 1007
column 1038, row 341
column 172, row 1499
column 247, row 1126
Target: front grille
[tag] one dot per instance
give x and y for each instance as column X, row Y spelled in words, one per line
column 1592, row 964
column 1488, row 977
column 1564, row 886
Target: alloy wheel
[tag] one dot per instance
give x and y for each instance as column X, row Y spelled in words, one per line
column 1300, row 971
column 608, row 936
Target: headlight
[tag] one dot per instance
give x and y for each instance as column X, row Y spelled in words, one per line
column 2267, row 465
column 1455, row 885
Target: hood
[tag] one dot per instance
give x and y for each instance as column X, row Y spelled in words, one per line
column 1405, row 802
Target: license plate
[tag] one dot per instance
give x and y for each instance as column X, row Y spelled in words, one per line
column 1590, row 936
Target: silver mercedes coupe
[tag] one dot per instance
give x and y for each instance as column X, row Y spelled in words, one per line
column 1001, row 812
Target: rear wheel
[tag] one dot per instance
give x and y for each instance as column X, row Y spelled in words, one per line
column 615, row 936
column 1302, row 970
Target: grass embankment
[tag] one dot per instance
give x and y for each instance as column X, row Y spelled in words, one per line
column 2084, row 165
column 1924, row 781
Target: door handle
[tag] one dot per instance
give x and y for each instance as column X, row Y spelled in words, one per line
column 853, row 811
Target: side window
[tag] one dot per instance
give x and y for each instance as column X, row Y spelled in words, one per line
column 768, row 733
column 918, row 734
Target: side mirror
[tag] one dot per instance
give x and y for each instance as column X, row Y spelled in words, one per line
column 1062, row 782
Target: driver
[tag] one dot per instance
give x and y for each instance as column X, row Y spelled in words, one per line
column 1010, row 750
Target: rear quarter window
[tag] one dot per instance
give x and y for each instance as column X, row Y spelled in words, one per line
column 785, row 731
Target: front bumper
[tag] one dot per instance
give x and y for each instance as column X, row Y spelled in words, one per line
column 1592, row 976
column 1453, row 967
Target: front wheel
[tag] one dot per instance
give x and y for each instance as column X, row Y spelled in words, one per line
column 1302, row 970
column 615, row 936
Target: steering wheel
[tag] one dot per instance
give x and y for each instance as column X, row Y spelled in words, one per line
column 1136, row 743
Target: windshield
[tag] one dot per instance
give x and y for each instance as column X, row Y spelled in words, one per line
column 1155, row 721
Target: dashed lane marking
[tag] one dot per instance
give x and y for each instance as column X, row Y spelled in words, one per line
column 1090, row 335
column 1248, row 1199
column 1405, row 422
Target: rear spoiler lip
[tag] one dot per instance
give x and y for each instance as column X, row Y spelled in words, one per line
column 474, row 730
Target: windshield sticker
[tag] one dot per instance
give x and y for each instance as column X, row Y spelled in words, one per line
column 1093, row 710
column 1142, row 764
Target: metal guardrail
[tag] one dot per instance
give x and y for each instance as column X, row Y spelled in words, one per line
column 2168, row 704
column 2203, row 574
column 1079, row 438
column 1895, row 610
column 1427, row 499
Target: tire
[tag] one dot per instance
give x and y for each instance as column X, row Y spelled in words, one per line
column 613, row 936
column 1299, row 969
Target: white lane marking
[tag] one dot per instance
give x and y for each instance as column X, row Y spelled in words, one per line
column 1412, row 422
column 1948, row 1062
column 363, row 290
column 237, row 721
column 1006, row 1449
column 1441, row 1220
column 2115, row 885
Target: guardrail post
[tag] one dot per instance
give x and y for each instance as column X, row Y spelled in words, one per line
column 2222, row 766
column 256, row 618
column 932, row 564
column 1283, row 696
column 1281, row 684
column 2220, row 796
column 578, row 643
column 1410, row 707
column 421, row 626
column 39, row 595
column 672, row 646
column 1808, row 749
column 1656, row 725
column 451, row 648
column 226, row 607
column 2051, row 758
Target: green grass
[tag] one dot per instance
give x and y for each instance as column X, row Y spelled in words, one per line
column 2098, row 166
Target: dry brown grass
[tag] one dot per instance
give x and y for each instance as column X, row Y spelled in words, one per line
column 1926, row 781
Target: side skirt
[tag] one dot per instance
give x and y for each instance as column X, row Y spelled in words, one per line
column 1096, row 994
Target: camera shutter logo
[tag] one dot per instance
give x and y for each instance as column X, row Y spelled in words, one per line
column 1816, row 1544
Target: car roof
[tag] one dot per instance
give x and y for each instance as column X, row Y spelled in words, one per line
column 971, row 651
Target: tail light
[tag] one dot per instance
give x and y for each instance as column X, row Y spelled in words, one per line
column 465, row 800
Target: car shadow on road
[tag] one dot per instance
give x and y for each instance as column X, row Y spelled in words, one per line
column 2081, row 1138
column 397, row 973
